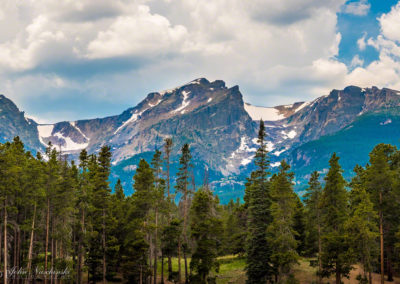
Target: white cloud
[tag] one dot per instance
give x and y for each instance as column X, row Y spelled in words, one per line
column 359, row 8
column 356, row 61
column 116, row 51
column 361, row 42
column 384, row 72
column 138, row 34
column 390, row 24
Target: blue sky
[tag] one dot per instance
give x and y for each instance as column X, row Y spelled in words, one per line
column 69, row 60
column 352, row 27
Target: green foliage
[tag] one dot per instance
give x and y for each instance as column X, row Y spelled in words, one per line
column 281, row 234
column 258, row 202
column 206, row 226
column 337, row 253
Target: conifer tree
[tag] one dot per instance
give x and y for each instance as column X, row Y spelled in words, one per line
column 337, row 255
column 182, row 186
column 135, row 260
column 313, row 209
column 258, row 202
column 281, row 234
column 363, row 230
column 379, row 184
column 159, row 203
column 100, row 205
column 205, row 229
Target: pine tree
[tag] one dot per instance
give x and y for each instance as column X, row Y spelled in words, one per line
column 379, row 184
column 281, row 234
column 170, row 240
column 100, row 205
column 182, row 186
column 337, row 255
column 258, row 202
column 363, row 230
column 159, row 203
column 313, row 212
column 136, row 244
column 205, row 229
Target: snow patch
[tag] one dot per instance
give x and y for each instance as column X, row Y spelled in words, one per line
column 387, row 121
column 268, row 145
column 73, row 124
column 264, row 113
column 44, row 131
column 289, row 135
column 133, row 118
column 277, row 153
column 244, row 147
column 303, row 105
column 151, row 105
column 70, row 144
column 197, row 81
column 185, row 102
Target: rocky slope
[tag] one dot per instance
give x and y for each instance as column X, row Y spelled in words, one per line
column 13, row 122
column 213, row 118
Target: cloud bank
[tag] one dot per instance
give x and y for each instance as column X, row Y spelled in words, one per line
column 106, row 55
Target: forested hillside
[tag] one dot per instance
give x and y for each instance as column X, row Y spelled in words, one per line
column 62, row 223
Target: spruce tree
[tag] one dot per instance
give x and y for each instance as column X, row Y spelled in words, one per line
column 206, row 227
column 363, row 230
column 258, row 202
column 380, row 186
column 135, row 260
column 313, row 212
column 281, row 234
column 337, row 254
column 182, row 185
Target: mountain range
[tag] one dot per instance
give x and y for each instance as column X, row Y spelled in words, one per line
column 222, row 131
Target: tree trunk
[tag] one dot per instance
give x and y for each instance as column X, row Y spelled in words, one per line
column 80, row 249
column 52, row 250
column 186, row 267
column 370, row 277
column 15, row 248
column 381, row 241
column 5, row 241
column 104, row 246
column 155, row 249
column 319, row 255
column 169, row 267
column 1, row 241
column 389, row 264
column 338, row 276
column 179, row 261
column 162, row 267
column 47, row 240
column 185, row 205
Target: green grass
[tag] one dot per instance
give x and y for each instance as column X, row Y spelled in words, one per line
column 231, row 269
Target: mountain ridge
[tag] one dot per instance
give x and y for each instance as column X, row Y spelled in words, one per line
column 212, row 117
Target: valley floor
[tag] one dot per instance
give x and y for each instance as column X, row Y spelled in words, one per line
column 232, row 271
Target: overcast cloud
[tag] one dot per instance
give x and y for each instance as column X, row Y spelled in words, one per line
column 77, row 59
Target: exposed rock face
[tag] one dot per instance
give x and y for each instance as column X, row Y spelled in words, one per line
column 213, row 118
column 13, row 122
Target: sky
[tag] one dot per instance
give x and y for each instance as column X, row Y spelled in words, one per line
column 69, row 60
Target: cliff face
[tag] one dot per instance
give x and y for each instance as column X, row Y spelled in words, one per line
column 13, row 122
column 219, row 126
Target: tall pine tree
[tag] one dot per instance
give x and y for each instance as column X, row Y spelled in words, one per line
column 258, row 251
column 337, row 255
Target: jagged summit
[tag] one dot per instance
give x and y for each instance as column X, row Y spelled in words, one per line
column 212, row 117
